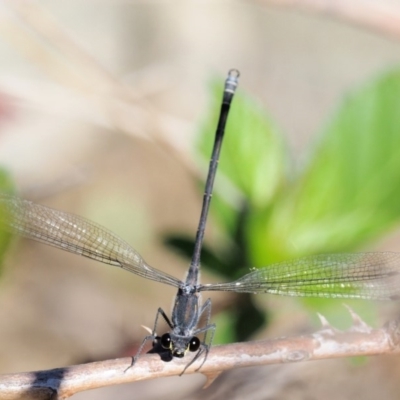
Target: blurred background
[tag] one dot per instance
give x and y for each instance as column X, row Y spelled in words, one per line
column 101, row 107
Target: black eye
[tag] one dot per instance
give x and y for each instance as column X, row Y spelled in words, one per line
column 166, row 341
column 194, row 344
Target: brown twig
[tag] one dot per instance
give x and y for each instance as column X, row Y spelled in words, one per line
column 62, row 383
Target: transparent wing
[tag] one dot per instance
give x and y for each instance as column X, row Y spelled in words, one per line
column 74, row 234
column 363, row 275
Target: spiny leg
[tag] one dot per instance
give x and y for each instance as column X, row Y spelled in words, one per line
column 153, row 335
column 203, row 348
column 206, row 307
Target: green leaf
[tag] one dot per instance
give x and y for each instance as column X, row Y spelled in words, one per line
column 349, row 192
column 7, row 186
column 6, row 183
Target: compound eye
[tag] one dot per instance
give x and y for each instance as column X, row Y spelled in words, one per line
column 194, row 344
column 166, row 341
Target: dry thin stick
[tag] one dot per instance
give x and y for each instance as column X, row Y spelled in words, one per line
column 62, row 383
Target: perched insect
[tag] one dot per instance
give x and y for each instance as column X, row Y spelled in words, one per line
column 362, row 275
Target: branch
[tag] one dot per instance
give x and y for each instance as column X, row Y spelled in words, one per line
column 374, row 15
column 61, row 383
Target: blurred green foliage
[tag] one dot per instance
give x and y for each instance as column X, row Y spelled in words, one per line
column 346, row 196
column 6, row 186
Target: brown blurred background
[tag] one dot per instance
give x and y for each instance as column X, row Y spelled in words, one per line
column 99, row 106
